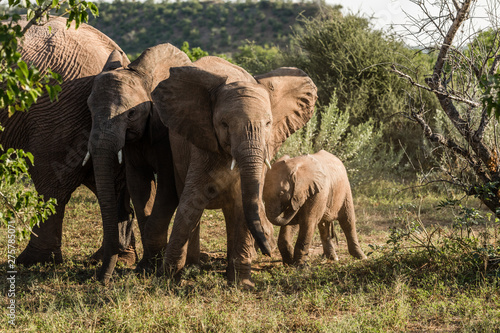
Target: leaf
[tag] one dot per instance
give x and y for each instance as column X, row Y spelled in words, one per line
column 93, row 9
column 30, row 14
column 24, row 68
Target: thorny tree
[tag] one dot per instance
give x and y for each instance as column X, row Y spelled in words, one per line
column 466, row 63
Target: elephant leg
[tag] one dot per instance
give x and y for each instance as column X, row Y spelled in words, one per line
column 193, row 250
column 285, row 242
column 240, row 245
column 186, row 221
column 155, row 235
column 143, row 191
column 306, row 233
column 347, row 221
column 327, row 236
column 231, row 220
column 240, row 262
column 45, row 242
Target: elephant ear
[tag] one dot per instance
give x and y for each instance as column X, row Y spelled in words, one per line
column 292, row 95
column 283, row 158
column 308, row 179
column 155, row 62
column 184, row 104
column 115, row 61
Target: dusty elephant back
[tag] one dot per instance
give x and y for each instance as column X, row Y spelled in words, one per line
column 77, row 55
column 73, row 53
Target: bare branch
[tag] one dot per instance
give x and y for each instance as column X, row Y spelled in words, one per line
column 437, row 92
column 494, row 66
column 448, row 40
column 445, row 142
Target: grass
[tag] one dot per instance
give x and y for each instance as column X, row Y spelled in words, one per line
column 395, row 290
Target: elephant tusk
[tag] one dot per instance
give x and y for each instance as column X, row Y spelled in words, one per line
column 268, row 164
column 233, row 164
column 86, row 159
column 120, row 158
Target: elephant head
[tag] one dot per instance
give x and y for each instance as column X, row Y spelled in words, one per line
column 289, row 184
column 121, row 108
column 223, row 110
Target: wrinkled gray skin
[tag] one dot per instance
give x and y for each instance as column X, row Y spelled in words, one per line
column 305, row 192
column 57, row 133
column 216, row 113
column 123, row 120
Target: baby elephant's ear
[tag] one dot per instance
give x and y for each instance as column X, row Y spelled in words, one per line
column 184, row 105
column 308, row 178
column 283, row 158
column 292, row 95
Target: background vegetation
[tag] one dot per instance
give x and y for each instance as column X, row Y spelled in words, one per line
column 215, row 26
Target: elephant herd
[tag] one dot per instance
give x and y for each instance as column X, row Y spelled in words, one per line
column 175, row 136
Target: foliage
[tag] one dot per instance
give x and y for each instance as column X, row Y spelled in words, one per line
column 22, row 84
column 345, row 55
column 473, row 238
column 195, row 53
column 464, row 79
column 214, row 26
column 22, row 207
column 491, row 96
column 258, row 59
column 360, row 147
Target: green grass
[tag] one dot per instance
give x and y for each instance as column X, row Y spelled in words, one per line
column 392, row 290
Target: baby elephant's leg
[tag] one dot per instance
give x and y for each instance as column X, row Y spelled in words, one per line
column 327, row 238
column 285, row 242
column 304, row 240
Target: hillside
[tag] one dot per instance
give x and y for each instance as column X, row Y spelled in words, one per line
column 215, row 26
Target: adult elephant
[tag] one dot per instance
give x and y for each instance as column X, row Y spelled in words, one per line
column 57, row 133
column 220, row 117
column 125, row 126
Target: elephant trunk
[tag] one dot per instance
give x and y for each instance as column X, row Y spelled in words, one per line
column 251, row 161
column 116, row 229
column 104, row 174
column 278, row 217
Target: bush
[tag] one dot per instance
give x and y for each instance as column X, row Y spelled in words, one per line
column 360, row 147
column 258, row 59
column 346, row 55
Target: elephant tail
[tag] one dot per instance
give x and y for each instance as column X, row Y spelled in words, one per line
column 333, row 234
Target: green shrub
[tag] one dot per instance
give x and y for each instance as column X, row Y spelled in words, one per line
column 360, row 147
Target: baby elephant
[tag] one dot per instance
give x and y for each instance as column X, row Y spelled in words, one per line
column 306, row 191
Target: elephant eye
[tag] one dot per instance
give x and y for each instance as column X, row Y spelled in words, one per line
column 268, row 124
column 131, row 114
column 225, row 125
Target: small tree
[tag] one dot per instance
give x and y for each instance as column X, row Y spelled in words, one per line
column 21, row 85
column 465, row 81
column 347, row 58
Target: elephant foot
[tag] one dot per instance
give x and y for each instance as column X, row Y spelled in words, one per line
column 239, row 274
column 127, row 257
column 358, row 253
column 32, row 256
column 331, row 256
column 149, row 265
